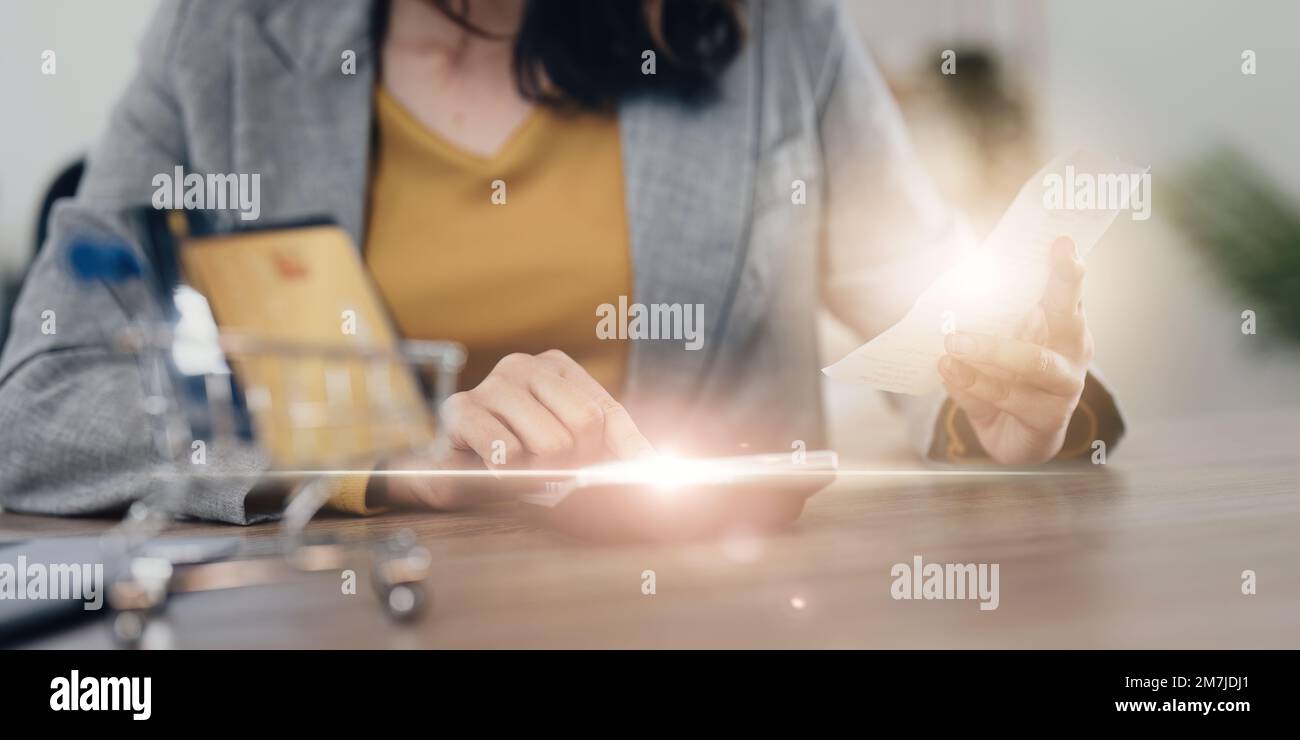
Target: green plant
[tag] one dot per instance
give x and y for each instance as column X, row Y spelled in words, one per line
column 1248, row 227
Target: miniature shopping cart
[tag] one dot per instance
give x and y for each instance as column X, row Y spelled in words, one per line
column 192, row 405
column 308, row 410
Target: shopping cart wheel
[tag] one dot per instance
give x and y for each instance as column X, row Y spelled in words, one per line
column 129, row 628
column 401, row 567
column 138, row 598
column 404, row 601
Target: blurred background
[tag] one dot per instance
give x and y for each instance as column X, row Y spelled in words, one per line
column 1158, row 82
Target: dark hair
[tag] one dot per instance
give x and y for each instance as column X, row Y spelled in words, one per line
column 589, row 52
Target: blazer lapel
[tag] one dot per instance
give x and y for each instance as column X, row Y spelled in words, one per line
column 688, row 178
column 300, row 121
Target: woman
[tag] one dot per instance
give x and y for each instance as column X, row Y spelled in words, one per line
column 511, row 165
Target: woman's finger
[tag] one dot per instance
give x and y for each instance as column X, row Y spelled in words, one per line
column 1063, row 300
column 581, row 414
column 622, row 437
column 1030, row 363
column 956, row 377
column 1064, row 290
column 477, row 437
column 472, row 427
column 543, row 435
column 1033, row 407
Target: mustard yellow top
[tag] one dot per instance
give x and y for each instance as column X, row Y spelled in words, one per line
column 508, row 253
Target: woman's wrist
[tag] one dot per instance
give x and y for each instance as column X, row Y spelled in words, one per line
column 377, row 488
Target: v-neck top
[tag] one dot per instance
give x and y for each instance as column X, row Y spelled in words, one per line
column 512, row 252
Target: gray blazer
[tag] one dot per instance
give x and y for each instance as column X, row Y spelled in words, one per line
column 255, row 86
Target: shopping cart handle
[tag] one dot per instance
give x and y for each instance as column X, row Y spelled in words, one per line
column 112, row 261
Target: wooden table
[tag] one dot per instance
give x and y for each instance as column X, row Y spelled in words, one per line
column 1145, row 552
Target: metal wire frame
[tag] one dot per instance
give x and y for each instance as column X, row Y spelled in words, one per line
column 399, row 564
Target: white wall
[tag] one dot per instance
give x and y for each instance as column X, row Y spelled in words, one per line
column 47, row 121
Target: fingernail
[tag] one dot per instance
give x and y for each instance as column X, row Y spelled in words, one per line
column 960, row 344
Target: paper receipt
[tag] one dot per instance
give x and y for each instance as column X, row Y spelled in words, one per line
column 990, row 290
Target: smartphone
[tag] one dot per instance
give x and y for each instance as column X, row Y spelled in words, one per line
column 680, row 499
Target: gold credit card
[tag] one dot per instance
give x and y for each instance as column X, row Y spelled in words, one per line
column 308, row 286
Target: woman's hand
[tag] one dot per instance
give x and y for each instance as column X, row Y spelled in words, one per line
column 1019, row 394
column 542, row 412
